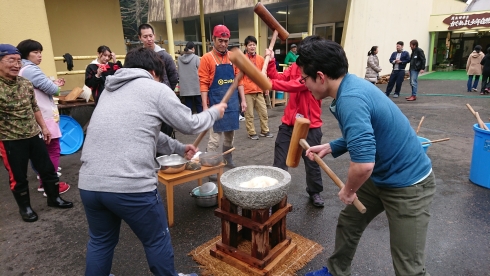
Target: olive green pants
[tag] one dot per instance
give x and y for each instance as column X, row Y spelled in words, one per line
column 256, row 101
column 407, row 210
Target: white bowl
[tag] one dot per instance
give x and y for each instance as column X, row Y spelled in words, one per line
column 207, row 188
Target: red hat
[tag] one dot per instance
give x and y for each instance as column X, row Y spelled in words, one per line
column 221, row 31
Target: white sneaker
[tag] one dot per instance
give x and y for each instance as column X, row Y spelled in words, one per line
column 59, row 168
column 241, row 118
column 58, row 173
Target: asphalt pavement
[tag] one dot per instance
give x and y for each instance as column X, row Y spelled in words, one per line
column 458, row 241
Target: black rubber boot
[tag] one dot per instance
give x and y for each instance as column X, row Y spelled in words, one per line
column 229, row 158
column 25, row 210
column 53, row 193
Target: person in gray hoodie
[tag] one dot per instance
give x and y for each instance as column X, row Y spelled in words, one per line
column 118, row 179
column 189, row 79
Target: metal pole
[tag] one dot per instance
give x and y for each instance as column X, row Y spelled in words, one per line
column 170, row 31
column 431, row 49
column 310, row 18
column 203, row 29
column 256, row 28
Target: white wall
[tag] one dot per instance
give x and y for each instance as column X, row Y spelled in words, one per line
column 383, row 23
column 446, row 7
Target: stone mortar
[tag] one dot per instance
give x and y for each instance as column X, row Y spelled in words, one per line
column 255, row 198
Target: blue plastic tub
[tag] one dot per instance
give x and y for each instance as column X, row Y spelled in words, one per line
column 279, row 95
column 71, row 135
column 480, row 159
column 425, row 146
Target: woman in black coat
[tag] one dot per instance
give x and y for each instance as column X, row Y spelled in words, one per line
column 99, row 69
column 485, row 84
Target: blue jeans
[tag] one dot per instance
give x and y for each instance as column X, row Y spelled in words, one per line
column 414, row 75
column 143, row 212
column 397, row 77
column 470, row 80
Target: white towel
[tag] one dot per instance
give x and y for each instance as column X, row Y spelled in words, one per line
column 86, row 94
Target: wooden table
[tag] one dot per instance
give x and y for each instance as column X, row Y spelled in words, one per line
column 171, row 180
column 66, row 109
column 275, row 101
column 75, row 104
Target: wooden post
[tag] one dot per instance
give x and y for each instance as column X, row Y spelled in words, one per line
column 229, row 230
column 170, row 30
column 279, row 229
column 246, row 233
column 260, row 240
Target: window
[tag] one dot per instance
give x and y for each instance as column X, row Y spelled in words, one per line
column 231, row 21
column 297, row 18
column 280, row 14
column 326, row 31
column 191, row 30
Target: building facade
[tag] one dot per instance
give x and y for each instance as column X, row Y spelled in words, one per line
column 455, row 34
column 356, row 25
column 63, row 26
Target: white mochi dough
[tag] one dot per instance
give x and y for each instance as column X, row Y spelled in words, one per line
column 259, row 182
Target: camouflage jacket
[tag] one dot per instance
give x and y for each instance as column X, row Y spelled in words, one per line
column 17, row 107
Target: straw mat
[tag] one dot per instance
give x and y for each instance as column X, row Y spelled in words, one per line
column 305, row 251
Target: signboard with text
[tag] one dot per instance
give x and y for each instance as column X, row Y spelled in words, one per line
column 468, row 20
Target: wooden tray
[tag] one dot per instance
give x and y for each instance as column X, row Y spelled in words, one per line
column 61, row 100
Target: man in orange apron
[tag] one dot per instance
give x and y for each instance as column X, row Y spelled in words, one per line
column 216, row 74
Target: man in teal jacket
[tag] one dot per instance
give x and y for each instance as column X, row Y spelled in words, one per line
column 389, row 170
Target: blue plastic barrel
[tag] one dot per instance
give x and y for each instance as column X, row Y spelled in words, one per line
column 279, row 95
column 425, row 146
column 480, row 159
column 71, row 135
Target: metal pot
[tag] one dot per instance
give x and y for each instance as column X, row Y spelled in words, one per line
column 211, row 159
column 173, row 163
column 204, row 201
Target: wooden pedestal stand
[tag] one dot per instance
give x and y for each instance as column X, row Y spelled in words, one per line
column 267, row 233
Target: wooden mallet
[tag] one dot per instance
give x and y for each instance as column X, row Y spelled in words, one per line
column 435, row 141
column 420, row 124
column 271, row 22
column 278, row 30
column 478, row 119
column 246, row 67
column 296, row 146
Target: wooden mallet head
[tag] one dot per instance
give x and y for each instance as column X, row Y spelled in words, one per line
column 300, row 131
column 270, row 21
column 249, row 69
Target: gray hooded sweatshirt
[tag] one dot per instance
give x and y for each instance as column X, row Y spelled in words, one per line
column 33, row 73
column 124, row 133
column 189, row 79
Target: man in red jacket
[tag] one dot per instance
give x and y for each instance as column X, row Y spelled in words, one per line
column 301, row 104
